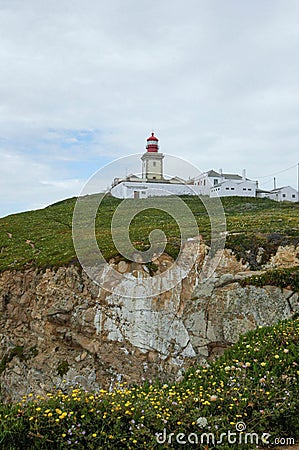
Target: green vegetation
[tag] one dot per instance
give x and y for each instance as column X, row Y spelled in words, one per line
column 284, row 278
column 255, row 382
column 15, row 351
column 19, row 351
column 43, row 238
column 63, row 368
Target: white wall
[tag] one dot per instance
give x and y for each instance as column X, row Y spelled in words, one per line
column 127, row 189
column 205, row 183
column 232, row 189
column 284, row 194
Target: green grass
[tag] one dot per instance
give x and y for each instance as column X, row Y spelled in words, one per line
column 283, row 278
column 43, row 238
column 255, row 382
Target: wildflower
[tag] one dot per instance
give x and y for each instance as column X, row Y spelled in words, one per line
column 202, row 422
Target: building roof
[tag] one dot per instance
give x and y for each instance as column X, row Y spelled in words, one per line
column 280, row 189
column 213, row 173
column 262, row 191
column 152, row 137
column 232, row 176
column 177, row 179
column 226, row 176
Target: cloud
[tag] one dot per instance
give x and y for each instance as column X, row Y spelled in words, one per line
column 217, row 81
column 26, row 184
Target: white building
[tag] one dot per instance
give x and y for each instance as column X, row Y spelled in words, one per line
column 231, row 188
column 152, row 183
column 129, row 189
column 284, row 193
column 219, row 184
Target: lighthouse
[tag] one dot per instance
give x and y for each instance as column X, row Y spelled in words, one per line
column 152, row 160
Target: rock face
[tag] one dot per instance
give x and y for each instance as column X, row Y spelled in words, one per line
column 58, row 328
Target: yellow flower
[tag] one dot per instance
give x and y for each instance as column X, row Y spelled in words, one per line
column 263, row 364
column 276, row 356
column 94, row 435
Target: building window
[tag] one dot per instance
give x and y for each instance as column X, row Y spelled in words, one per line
column 249, row 189
column 284, row 195
column 154, row 178
column 244, row 189
column 154, row 163
column 227, row 189
column 293, row 196
column 215, row 181
column 232, row 189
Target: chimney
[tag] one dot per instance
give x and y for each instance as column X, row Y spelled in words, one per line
column 221, row 174
column 244, row 174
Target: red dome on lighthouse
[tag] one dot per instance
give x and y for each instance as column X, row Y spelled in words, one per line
column 152, row 144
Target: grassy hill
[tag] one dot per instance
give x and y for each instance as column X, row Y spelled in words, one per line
column 43, row 238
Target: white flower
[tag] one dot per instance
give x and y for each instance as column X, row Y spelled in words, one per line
column 202, row 422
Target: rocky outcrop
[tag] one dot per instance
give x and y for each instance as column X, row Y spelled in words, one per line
column 285, row 257
column 58, row 328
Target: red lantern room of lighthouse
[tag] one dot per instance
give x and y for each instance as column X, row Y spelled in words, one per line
column 152, row 144
column 152, row 160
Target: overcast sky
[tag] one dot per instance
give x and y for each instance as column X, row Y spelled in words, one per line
column 84, row 83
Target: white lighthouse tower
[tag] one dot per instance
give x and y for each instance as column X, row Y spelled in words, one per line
column 152, row 161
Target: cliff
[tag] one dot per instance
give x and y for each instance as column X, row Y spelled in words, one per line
column 59, row 329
